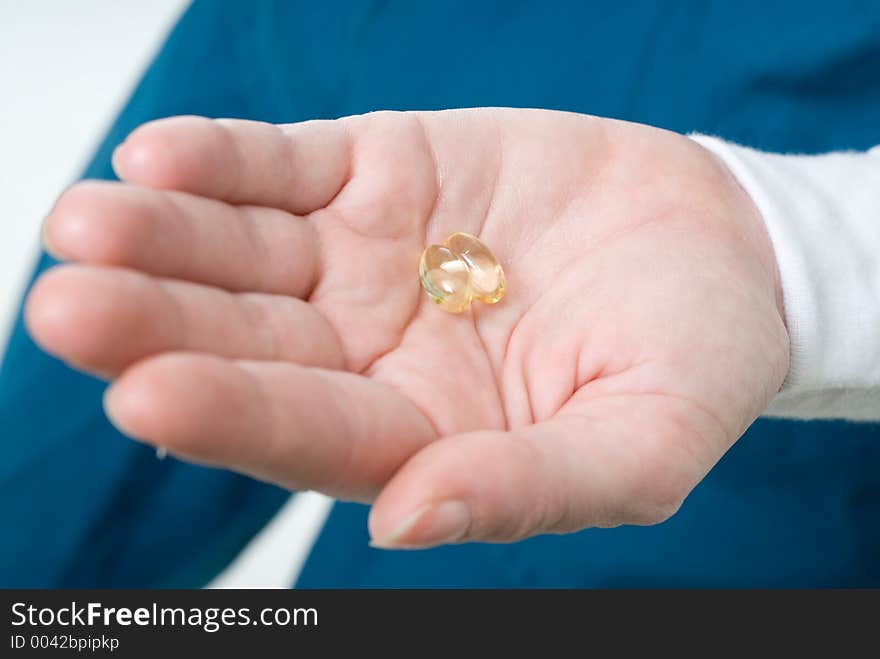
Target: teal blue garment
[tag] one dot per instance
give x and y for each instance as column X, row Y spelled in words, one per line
column 792, row 504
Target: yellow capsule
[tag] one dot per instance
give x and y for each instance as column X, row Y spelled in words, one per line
column 445, row 278
column 487, row 277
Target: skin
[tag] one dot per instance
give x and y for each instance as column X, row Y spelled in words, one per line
column 252, row 292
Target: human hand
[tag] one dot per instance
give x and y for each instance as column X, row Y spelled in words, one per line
column 253, row 292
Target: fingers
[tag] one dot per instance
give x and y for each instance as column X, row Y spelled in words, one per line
column 297, row 167
column 303, row 428
column 103, row 319
column 178, row 235
column 623, row 460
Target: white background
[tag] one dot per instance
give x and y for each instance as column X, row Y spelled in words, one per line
column 66, row 68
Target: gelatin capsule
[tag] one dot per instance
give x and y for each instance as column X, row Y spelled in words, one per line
column 487, row 277
column 445, row 278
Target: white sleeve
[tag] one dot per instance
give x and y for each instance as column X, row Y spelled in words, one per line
column 823, row 217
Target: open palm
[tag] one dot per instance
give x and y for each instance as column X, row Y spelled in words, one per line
column 254, row 289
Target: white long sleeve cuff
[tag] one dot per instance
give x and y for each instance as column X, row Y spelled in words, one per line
column 823, row 217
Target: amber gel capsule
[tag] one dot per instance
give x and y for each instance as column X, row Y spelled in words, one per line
column 445, row 278
column 461, row 269
column 487, row 277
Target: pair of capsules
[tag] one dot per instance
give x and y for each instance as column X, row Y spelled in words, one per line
column 460, row 270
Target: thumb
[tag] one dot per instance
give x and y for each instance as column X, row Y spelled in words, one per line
column 558, row 476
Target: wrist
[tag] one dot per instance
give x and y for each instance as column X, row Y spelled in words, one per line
column 820, row 213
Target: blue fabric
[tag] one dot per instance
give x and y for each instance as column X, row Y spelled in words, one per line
column 792, row 504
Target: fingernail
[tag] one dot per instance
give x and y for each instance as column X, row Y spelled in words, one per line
column 97, row 373
column 51, row 250
column 45, row 236
column 109, row 410
column 430, row 525
column 114, row 160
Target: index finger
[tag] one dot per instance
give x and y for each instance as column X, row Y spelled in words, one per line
column 297, row 167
